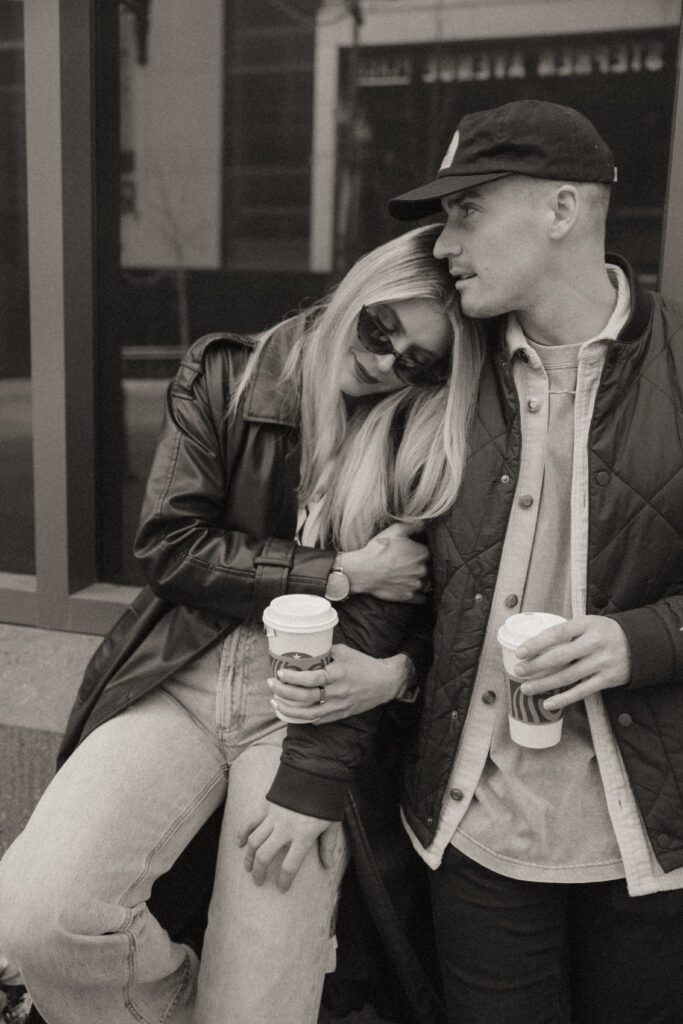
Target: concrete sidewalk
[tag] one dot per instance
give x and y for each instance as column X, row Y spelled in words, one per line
column 39, row 674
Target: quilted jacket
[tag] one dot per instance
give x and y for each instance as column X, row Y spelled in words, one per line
column 635, row 565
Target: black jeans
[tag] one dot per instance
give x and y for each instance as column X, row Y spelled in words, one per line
column 516, row 952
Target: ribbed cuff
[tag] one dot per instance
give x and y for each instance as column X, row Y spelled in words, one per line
column 652, row 649
column 309, row 794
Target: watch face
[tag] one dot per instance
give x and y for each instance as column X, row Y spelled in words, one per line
column 338, row 585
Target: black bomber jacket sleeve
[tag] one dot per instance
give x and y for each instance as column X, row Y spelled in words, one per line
column 319, row 763
column 655, row 637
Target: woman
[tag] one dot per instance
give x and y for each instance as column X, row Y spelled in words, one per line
column 332, row 426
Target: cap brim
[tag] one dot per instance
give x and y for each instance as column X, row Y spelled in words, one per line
column 426, row 200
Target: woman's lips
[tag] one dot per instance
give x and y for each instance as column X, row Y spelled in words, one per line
column 362, row 374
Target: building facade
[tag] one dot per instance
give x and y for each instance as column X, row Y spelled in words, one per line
column 168, row 169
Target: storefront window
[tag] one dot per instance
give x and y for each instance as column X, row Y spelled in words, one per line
column 225, row 198
column 203, row 138
column 268, row 133
column 410, row 97
column 17, row 553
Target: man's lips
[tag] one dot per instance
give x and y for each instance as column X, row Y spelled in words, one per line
column 461, row 279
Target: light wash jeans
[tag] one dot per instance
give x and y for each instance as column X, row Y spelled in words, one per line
column 74, row 885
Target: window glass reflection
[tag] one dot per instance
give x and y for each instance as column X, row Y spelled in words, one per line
column 16, row 467
column 223, row 202
column 203, row 196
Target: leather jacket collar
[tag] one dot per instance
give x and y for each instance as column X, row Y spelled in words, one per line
column 268, row 401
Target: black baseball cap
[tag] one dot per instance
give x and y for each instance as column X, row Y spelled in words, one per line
column 531, row 137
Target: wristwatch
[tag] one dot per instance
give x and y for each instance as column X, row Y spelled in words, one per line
column 338, row 583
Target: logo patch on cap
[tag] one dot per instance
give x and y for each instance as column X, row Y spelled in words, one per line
column 450, row 152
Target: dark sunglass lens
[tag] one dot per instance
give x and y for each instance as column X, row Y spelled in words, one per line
column 419, row 376
column 372, row 337
column 370, row 334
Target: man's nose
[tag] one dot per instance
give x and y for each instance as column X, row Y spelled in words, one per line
column 447, row 243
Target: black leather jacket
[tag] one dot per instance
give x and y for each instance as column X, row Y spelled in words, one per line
column 215, row 539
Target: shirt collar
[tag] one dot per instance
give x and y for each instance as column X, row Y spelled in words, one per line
column 516, row 339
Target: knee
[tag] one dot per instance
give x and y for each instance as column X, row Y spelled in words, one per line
column 23, row 925
column 30, row 914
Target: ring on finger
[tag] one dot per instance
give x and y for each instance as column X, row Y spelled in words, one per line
column 323, row 694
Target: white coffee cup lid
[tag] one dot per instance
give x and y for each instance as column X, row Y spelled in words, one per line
column 518, row 628
column 300, row 613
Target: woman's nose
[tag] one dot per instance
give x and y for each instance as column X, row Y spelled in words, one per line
column 385, row 363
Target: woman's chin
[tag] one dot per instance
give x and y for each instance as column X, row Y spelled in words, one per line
column 352, row 387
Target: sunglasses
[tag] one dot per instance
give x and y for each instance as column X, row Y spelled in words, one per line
column 374, row 338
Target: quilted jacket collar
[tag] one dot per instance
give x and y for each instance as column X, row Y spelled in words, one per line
column 637, row 326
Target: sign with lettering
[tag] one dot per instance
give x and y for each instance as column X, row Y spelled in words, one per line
column 610, row 55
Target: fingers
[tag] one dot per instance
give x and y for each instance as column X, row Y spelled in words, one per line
column 574, row 694
column 564, row 633
column 317, row 714
column 304, row 695
column 554, row 658
column 291, row 864
column 583, row 668
column 590, row 650
column 265, row 857
column 250, row 827
column 311, row 679
column 258, row 838
column 328, row 844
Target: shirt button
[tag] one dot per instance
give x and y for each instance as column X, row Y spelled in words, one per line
column 430, row 821
column 664, row 840
column 624, row 719
column 511, row 601
column 602, row 477
column 526, row 501
column 478, row 598
column 505, row 479
column 488, row 697
column 456, row 794
column 533, row 405
column 455, row 716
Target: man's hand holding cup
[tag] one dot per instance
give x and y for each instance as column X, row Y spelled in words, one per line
column 579, row 657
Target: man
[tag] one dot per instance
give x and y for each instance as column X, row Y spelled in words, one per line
column 557, row 874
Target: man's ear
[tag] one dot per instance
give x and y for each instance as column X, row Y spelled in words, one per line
column 564, row 202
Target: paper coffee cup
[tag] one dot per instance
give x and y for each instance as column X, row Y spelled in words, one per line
column 299, row 629
column 531, row 724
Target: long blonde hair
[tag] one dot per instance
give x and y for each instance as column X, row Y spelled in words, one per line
column 403, row 458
